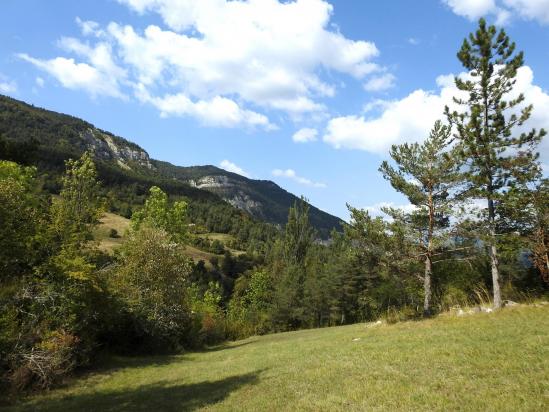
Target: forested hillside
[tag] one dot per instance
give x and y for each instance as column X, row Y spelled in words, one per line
column 47, row 139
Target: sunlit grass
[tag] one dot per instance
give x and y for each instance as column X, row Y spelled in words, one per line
column 107, row 222
column 485, row 362
column 112, row 221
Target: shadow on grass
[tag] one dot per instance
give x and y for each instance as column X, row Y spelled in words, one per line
column 161, row 396
column 109, row 363
column 226, row 346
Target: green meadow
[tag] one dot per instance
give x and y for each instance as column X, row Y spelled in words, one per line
column 485, row 362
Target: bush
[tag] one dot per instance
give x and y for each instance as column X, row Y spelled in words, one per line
column 217, row 247
column 113, row 233
column 453, row 297
column 46, row 362
column 150, row 281
column 394, row 315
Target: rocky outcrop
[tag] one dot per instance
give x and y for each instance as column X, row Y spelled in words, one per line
column 105, row 147
column 212, row 182
column 244, row 202
column 229, row 191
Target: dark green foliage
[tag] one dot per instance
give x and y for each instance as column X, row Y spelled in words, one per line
column 289, row 267
column 217, row 247
column 495, row 156
column 524, row 221
column 427, row 175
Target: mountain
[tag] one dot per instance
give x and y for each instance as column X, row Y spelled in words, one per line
column 263, row 199
column 56, row 137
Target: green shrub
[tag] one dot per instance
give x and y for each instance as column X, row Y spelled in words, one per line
column 151, row 281
column 454, row 296
column 217, row 247
column 394, row 314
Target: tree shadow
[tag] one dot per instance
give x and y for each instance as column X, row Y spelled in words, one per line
column 226, row 346
column 110, row 363
column 161, row 396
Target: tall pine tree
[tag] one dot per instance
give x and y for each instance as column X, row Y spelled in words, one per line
column 290, row 266
column 426, row 175
column 487, row 141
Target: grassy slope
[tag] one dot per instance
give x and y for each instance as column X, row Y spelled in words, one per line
column 111, row 221
column 121, row 224
column 482, row 362
column 225, row 238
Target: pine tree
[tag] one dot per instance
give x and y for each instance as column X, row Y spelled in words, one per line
column 299, row 234
column 526, row 213
column 289, row 264
column 426, row 175
column 487, row 142
column 377, row 265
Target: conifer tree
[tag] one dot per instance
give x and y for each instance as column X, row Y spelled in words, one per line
column 492, row 150
column 299, row 234
column 426, row 175
column 526, row 213
column 290, row 265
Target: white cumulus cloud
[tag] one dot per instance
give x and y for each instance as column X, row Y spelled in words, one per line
column 98, row 77
column 411, row 118
column 380, row 83
column 246, row 57
column 217, row 111
column 7, row 86
column 472, row 9
column 291, row 174
column 305, row 135
column 502, row 10
column 530, row 9
column 231, row 167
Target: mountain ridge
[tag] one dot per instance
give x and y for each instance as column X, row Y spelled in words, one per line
column 66, row 136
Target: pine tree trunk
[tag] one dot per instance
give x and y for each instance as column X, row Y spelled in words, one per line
column 495, row 276
column 427, row 286
column 494, row 256
column 428, row 257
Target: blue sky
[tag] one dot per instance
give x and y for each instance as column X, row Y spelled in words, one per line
column 309, row 93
